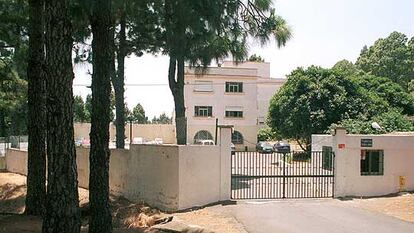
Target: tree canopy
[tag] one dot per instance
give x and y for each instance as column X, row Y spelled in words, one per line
column 315, row 98
column 13, row 101
column 138, row 115
column 311, row 100
column 390, row 121
column 391, row 57
column 161, row 119
column 256, row 58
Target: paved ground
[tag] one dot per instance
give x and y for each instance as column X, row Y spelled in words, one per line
column 312, row 216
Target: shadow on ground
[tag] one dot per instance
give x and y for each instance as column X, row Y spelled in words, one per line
column 12, row 198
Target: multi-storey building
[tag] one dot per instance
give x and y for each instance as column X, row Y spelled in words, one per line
column 236, row 95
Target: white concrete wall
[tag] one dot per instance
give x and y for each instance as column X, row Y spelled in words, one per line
column 263, row 68
column 199, row 175
column 398, row 161
column 146, row 173
column 249, row 134
column 2, row 163
column 169, row 177
column 266, row 89
column 320, row 140
column 258, row 88
column 219, row 100
column 146, row 131
column 16, row 161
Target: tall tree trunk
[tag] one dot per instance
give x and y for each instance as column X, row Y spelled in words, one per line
column 36, row 170
column 3, row 130
column 118, row 83
column 62, row 202
column 177, row 90
column 102, row 47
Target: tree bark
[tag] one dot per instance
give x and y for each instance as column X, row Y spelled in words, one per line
column 36, row 170
column 102, row 47
column 3, row 130
column 118, row 83
column 62, row 204
column 177, row 90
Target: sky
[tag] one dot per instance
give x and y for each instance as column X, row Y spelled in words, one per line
column 324, row 32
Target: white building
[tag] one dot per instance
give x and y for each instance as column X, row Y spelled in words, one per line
column 236, row 95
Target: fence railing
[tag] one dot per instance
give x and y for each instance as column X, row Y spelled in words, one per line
column 18, row 142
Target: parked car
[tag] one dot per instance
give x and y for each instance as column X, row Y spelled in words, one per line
column 264, row 147
column 158, row 141
column 281, row 147
column 138, row 140
column 86, row 143
column 78, row 142
column 205, row 142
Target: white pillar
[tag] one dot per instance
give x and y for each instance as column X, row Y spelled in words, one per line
column 340, row 147
column 225, row 162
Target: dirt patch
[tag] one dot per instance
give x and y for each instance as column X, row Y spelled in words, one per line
column 399, row 206
column 127, row 216
column 212, row 220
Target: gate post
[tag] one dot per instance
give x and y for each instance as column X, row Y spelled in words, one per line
column 225, row 162
column 339, row 147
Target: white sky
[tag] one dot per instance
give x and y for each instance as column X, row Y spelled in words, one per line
column 324, row 32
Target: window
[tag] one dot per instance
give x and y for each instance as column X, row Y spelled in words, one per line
column 203, row 86
column 203, row 111
column 202, row 135
column 236, row 112
column 372, row 162
column 237, row 137
column 234, row 87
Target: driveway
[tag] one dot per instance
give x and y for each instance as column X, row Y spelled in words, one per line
column 312, row 216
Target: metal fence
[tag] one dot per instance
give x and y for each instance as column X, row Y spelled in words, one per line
column 257, row 175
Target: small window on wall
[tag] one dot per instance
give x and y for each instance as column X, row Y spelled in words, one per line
column 234, row 87
column 234, row 112
column 203, row 111
column 372, row 162
column 203, row 86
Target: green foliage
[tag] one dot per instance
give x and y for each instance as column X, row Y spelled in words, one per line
column 346, row 68
column 266, row 134
column 83, row 114
column 13, row 101
column 80, row 113
column 311, row 100
column 255, row 58
column 14, row 18
column 316, row 99
column 138, row 115
column 392, row 94
column 162, row 119
column 390, row 121
column 391, row 57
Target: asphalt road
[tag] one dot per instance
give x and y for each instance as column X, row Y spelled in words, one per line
column 312, row 216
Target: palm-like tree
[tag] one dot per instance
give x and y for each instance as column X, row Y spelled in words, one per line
column 199, row 32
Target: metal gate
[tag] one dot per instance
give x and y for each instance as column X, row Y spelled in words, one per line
column 257, row 175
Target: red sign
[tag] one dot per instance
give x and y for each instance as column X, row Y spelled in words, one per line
column 341, row 146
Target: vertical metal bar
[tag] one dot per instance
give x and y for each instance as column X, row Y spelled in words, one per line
column 244, row 173
column 333, row 173
column 284, row 176
column 215, row 133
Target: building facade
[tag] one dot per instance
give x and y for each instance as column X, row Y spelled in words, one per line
column 236, row 95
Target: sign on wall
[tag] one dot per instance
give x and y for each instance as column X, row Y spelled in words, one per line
column 365, row 142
